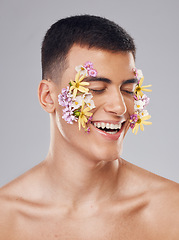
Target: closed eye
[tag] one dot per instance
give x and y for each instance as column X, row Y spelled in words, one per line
column 98, row 90
column 128, row 92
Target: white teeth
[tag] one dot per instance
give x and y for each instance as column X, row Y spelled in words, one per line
column 112, row 132
column 107, row 125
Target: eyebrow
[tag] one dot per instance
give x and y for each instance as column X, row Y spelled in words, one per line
column 107, row 80
column 99, row 79
column 132, row 80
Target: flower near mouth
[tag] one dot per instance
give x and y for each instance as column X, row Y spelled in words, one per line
column 140, row 122
column 77, row 85
column 139, row 88
column 83, row 114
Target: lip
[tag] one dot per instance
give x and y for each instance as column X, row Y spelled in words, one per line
column 109, row 136
column 110, row 121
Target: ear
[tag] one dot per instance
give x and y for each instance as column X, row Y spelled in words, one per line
column 45, row 94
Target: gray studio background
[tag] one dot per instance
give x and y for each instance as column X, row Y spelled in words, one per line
column 24, row 126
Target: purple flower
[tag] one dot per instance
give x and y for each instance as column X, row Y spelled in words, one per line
column 133, row 118
column 145, row 99
column 68, row 117
column 64, row 98
column 132, row 125
column 87, row 130
column 135, row 97
column 89, row 119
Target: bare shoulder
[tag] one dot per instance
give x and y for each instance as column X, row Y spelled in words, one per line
column 16, row 198
column 162, row 195
column 165, row 207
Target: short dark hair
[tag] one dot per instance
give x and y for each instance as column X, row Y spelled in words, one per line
column 83, row 30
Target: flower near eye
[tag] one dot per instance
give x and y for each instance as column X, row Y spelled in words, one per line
column 88, row 65
column 77, row 85
column 77, row 102
column 138, row 105
column 82, row 69
column 138, row 73
column 140, row 102
column 141, row 121
column 83, row 116
column 139, row 88
column 88, row 100
column 92, row 72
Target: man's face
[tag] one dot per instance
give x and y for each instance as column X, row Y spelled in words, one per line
column 112, row 91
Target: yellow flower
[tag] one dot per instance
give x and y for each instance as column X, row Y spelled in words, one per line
column 139, row 88
column 82, row 120
column 140, row 122
column 77, row 85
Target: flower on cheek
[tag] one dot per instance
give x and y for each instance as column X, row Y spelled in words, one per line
column 139, row 88
column 138, row 119
column 76, row 99
column 138, row 105
column 77, row 102
column 88, row 100
column 78, row 85
column 84, row 113
column 143, row 113
column 140, row 122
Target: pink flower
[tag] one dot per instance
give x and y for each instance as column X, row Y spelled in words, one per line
column 87, row 130
column 89, row 119
column 92, row 72
column 88, row 65
column 132, row 125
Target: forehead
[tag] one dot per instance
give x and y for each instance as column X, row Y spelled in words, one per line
column 107, row 64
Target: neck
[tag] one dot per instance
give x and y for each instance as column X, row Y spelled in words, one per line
column 77, row 179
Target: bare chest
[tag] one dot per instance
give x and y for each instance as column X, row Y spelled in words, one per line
column 104, row 226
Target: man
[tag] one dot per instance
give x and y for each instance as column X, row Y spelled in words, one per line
column 84, row 189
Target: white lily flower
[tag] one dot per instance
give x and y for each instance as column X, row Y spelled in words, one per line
column 82, row 70
column 88, row 100
column 77, row 102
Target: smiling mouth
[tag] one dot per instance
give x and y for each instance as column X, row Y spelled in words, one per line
column 109, row 128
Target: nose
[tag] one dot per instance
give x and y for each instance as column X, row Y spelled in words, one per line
column 115, row 103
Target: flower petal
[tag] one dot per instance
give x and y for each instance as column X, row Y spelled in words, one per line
column 146, row 117
column 84, row 83
column 88, row 114
column 86, row 110
column 141, row 127
column 147, row 90
column 81, row 78
column 83, row 89
column 79, row 124
column 141, row 81
column 146, row 86
column 77, row 77
column 136, row 128
column 146, row 123
column 74, row 93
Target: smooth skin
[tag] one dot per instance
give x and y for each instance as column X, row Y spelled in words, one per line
column 83, row 190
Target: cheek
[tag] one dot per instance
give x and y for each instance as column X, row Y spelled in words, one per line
column 130, row 105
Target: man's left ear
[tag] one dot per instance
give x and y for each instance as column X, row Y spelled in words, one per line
column 45, row 95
